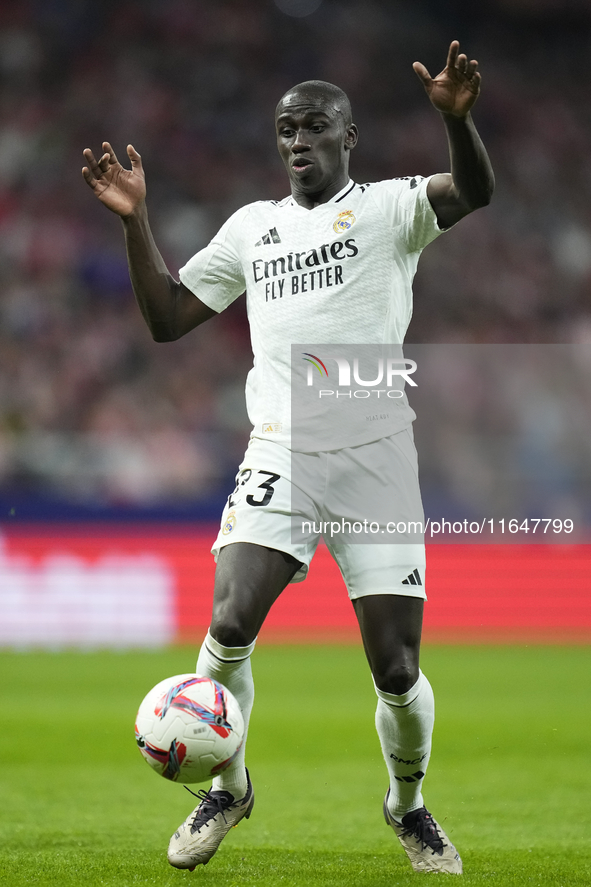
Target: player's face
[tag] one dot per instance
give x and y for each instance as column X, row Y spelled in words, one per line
column 314, row 144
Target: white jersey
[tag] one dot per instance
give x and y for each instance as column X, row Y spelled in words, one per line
column 340, row 273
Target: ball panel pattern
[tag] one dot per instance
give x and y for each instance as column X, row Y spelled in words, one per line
column 189, row 728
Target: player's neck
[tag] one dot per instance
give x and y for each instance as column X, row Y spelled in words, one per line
column 310, row 200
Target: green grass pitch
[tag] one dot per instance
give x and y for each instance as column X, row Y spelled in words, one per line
column 510, row 775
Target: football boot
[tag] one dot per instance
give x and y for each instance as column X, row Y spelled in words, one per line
column 202, row 832
column 425, row 843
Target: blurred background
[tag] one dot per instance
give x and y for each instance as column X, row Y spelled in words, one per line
column 99, row 422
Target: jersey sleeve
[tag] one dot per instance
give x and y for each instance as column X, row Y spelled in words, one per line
column 215, row 273
column 408, row 210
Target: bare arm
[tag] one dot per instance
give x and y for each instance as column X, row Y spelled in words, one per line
column 169, row 308
column 471, row 183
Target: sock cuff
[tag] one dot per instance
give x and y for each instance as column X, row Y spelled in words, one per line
column 406, row 698
column 227, row 654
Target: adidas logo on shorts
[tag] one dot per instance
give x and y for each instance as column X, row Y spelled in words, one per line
column 413, row 578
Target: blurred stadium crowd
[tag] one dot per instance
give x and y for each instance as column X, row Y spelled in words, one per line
column 91, row 410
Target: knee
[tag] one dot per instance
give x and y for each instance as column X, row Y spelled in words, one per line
column 230, row 631
column 396, row 677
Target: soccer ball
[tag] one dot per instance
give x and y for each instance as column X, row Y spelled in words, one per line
column 189, row 728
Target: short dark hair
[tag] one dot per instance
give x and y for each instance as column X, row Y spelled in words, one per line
column 329, row 91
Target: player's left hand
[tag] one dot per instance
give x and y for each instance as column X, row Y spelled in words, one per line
column 455, row 90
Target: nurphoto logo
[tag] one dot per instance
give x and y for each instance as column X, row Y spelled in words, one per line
column 386, row 371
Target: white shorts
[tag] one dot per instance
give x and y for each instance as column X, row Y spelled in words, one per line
column 288, row 501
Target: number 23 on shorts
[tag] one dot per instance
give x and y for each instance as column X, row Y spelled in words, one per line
column 249, row 477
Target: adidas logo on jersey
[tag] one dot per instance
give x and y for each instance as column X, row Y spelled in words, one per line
column 271, row 237
column 413, row 578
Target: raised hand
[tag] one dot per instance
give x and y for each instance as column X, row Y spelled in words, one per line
column 121, row 190
column 456, row 88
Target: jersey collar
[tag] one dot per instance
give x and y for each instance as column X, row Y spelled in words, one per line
column 343, row 193
column 337, row 197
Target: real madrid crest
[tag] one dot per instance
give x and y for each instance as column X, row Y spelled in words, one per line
column 344, row 221
column 229, row 523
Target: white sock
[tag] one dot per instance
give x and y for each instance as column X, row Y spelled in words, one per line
column 231, row 667
column 405, row 725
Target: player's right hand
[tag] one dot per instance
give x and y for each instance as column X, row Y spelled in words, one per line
column 121, row 190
